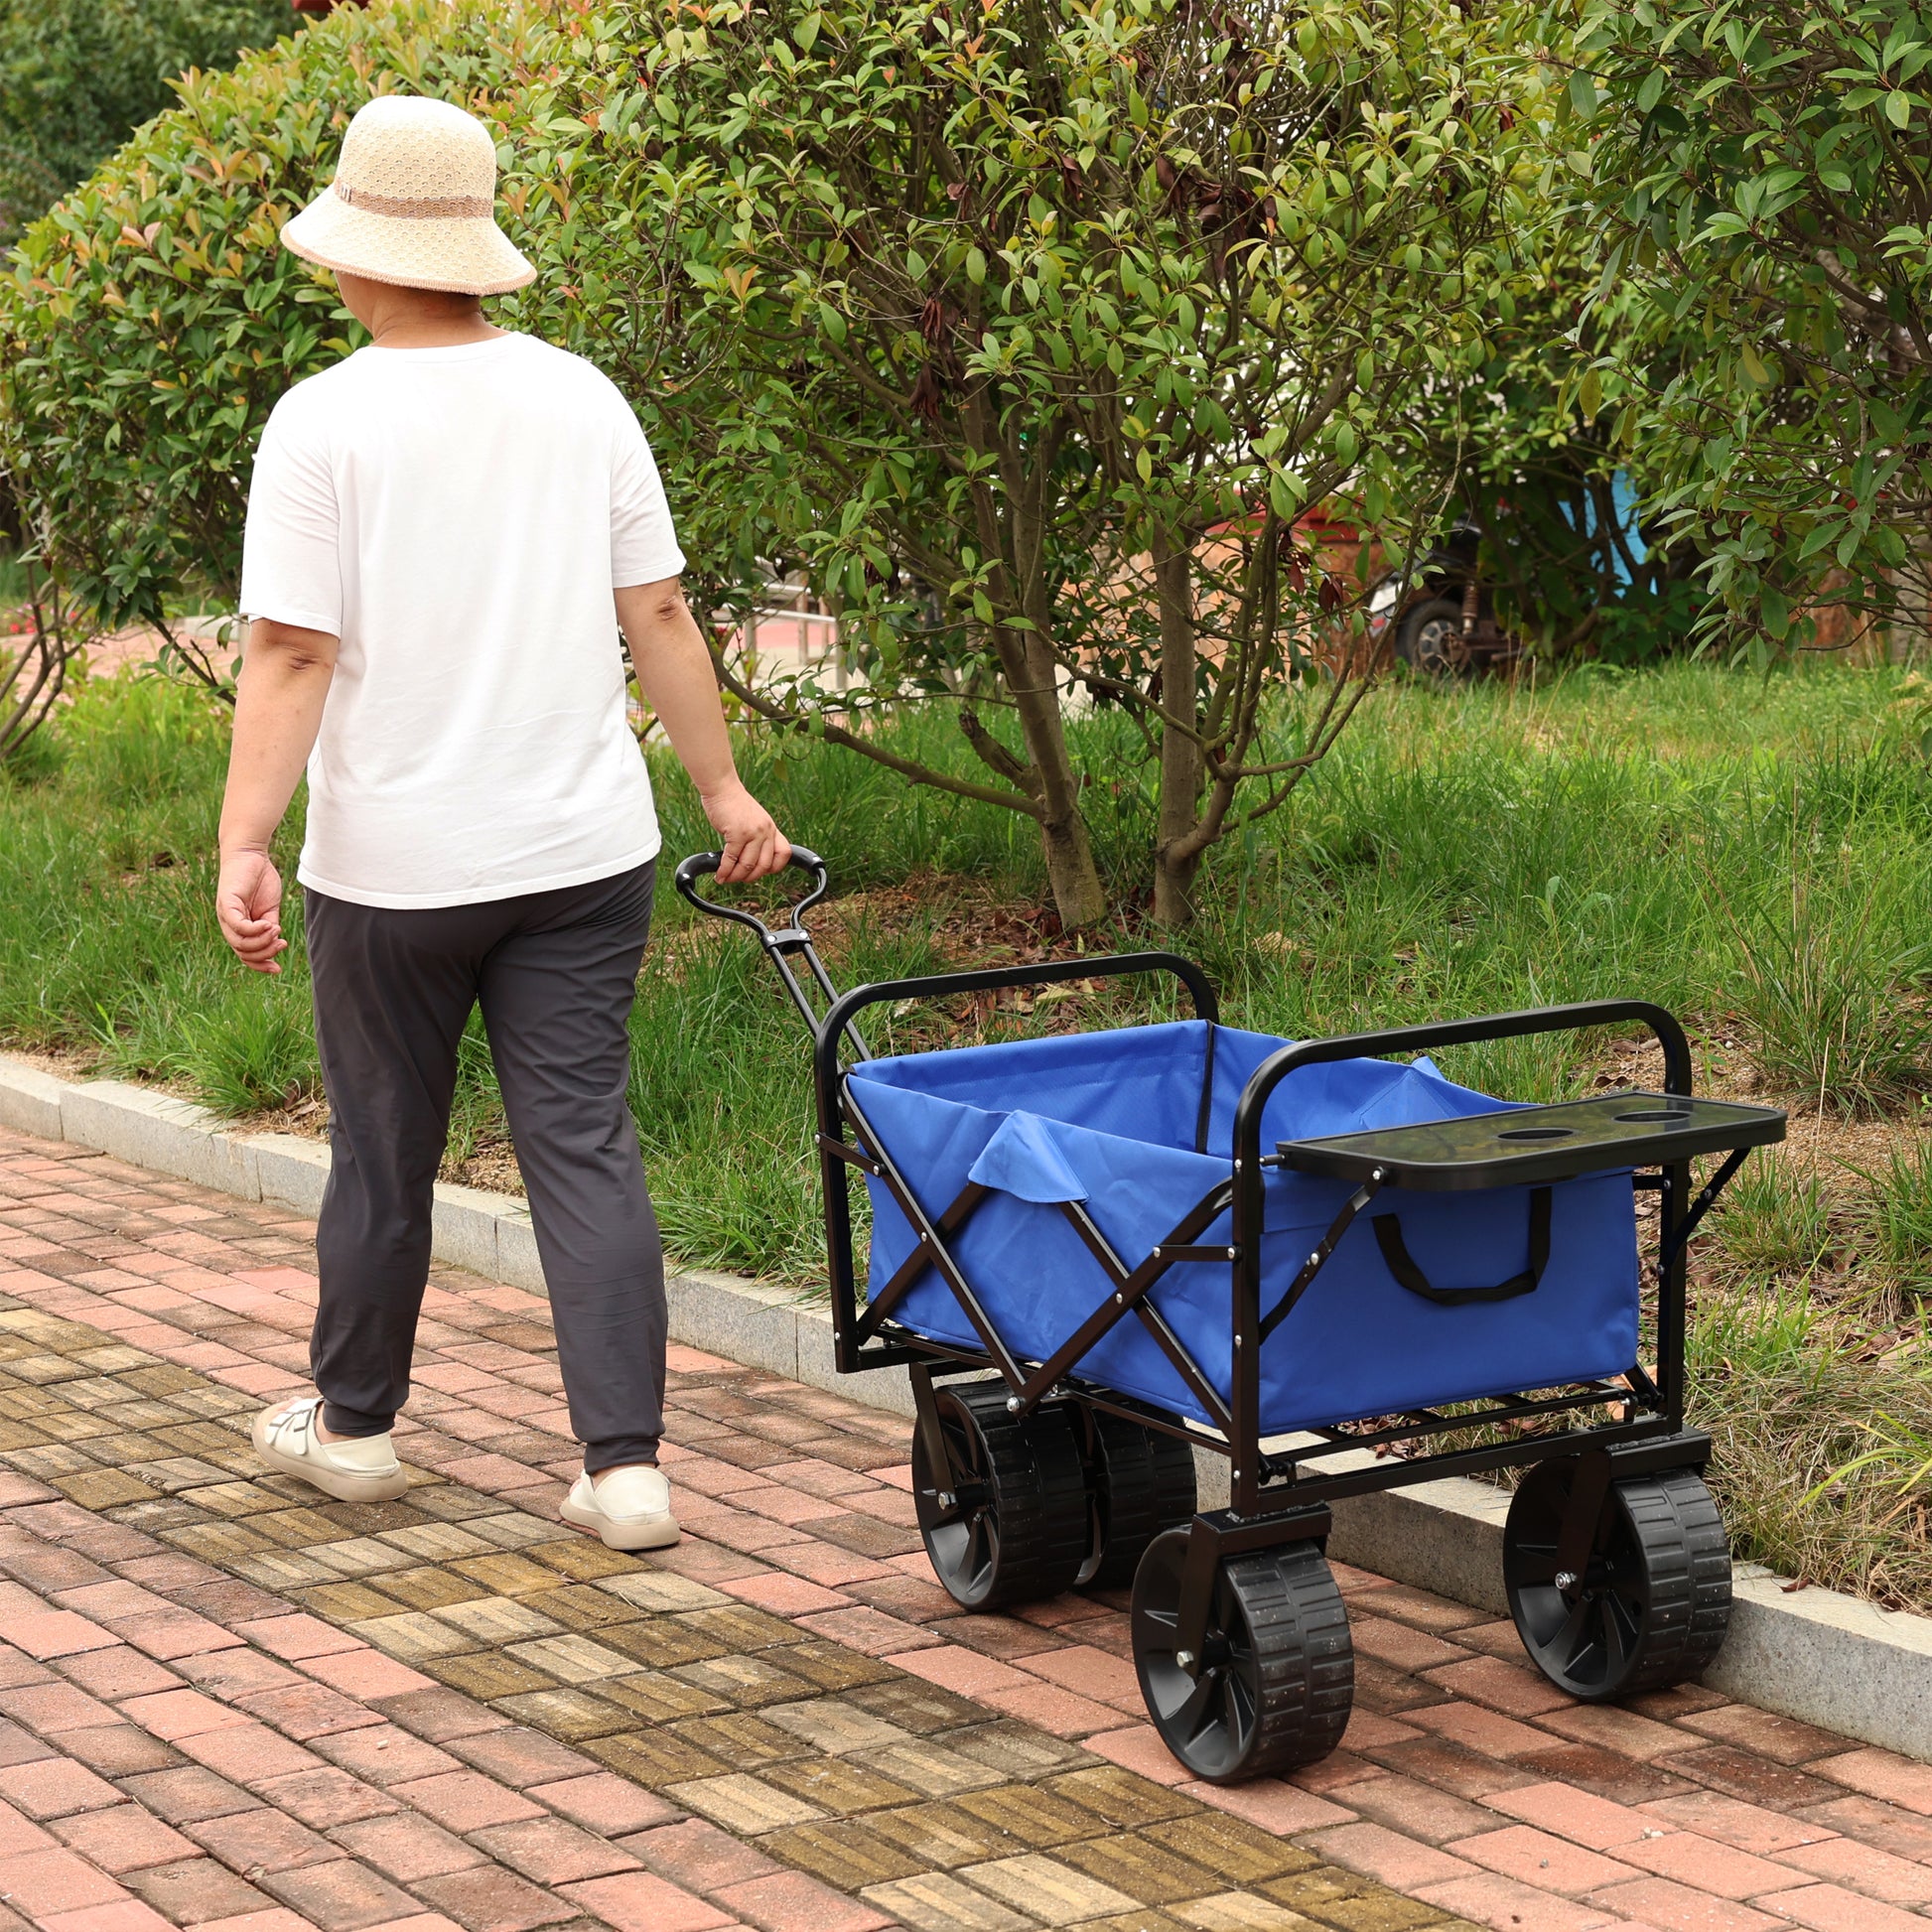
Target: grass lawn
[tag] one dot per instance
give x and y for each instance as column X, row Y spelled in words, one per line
column 1755, row 855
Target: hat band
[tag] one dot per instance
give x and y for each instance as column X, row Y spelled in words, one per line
column 432, row 207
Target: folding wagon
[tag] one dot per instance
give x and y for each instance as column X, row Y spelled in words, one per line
column 1296, row 1254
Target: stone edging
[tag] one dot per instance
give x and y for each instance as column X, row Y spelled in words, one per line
column 1812, row 1654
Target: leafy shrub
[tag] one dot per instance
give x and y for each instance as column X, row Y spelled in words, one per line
column 77, row 77
column 150, row 322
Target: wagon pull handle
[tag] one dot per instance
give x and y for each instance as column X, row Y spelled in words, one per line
column 700, row 864
column 1395, row 1251
column 783, row 942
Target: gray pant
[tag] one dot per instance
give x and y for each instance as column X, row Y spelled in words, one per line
column 556, row 974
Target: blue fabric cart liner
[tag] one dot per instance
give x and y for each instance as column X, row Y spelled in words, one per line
column 1109, row 1119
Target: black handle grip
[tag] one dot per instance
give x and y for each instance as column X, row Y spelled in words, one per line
column 701, row 864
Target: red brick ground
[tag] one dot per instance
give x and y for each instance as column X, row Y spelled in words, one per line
column 213, row 1761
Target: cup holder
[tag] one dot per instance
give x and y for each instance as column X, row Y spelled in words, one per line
column 1654, row 1116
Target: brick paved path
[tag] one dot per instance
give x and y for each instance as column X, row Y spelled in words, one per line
column 225, row 1702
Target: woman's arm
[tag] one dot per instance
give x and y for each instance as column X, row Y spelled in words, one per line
column 675, row 675
column 285, row 677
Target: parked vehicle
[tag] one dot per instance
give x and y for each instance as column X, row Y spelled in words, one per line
column 1437, row 615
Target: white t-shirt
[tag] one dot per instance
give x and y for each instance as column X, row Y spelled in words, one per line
column 459, row 518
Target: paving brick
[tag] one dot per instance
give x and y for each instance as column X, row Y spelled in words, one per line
column 186, row 1793
column 791, row 1902
column 552, row 1851
column 640, row 1901
column 1863, row 1868
column 122, row 1838
column 1492, row 1899
column 384, row 1754
column 365, row 1674
column 326, row 1798
column 697, row 1855
column 405, row 1846
column 196, row 1890
column 1881, row 1774
column 1274, row 1806
column 344, row 1895
column 1613, row 1729
column 1872, row 1823
column 57, row 1633
column 54, row 1880
column 1488, row 1733
column 1417, row 1810
column 1705, row 1862
column 465, row 1801
column 1782, row 1739
column 52, row 1708
column 521, row 1758
column 1397, row 1861
column 1541, row 1859
column 174, row 1715
column 294, row 1636
column 119, row 1671
column 605, row 1803
column 54, row 1787
column 261, row 1840
column 1578, row 1816
column 1751, row 1828
column 1830, row 1908
column 123, row 1915
column 1679, row 1908
column 247, row 1752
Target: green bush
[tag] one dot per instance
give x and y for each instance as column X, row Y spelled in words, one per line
column 77, row 77
column 150, row 322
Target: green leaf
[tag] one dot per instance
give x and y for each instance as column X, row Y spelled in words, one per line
column 1899, row 107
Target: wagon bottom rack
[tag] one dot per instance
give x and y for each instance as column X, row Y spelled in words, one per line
column 1098, row 1253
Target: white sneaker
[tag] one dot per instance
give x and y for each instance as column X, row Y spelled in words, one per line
column 630, row 1509
column 362, row 1469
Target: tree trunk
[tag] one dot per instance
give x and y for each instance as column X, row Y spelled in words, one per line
column 1075, row 879
column 1181, row 754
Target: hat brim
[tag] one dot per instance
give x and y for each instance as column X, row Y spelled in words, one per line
column 463, row 255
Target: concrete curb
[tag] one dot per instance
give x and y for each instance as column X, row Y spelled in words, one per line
column 1810, row 1654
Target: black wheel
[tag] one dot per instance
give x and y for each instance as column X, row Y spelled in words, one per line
column 1005, row 1521
column 1425, row 638
column 1276, row 1672
column 1653, row 1603
column 1139, row 1483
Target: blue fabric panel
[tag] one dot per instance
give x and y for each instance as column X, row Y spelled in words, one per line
column 1023, row 1160
column 1110, row 1117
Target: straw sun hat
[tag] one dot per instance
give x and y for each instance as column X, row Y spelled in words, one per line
column 412, row 203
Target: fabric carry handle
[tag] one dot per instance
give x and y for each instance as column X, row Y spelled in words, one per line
column 1400, row 1263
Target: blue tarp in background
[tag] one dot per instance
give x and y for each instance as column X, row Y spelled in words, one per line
column 1109, row 1119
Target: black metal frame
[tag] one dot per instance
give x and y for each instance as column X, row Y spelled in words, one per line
column 1274, row 1499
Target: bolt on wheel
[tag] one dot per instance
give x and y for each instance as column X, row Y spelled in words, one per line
column 1652, row 1603
column 1275, row 1677
column 1005, row 1520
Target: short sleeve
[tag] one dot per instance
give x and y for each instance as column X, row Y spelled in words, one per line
column 644, row 545
column 291, row 558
